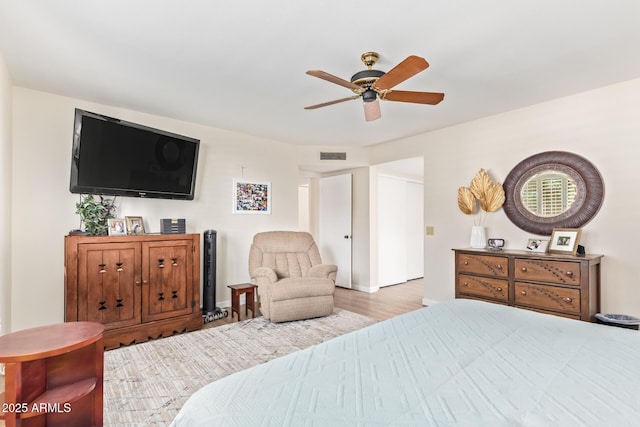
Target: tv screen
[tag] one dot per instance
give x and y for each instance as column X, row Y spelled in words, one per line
column 119, row 158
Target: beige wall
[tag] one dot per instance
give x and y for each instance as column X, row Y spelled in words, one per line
column 44, row 209
column 5, row 198
column 601, row 125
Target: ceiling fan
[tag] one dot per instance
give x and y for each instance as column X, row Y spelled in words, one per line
column 372, row 85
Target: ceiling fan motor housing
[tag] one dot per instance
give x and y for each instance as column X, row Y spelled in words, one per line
column 366, row 78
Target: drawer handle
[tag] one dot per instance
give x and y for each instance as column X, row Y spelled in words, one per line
column 465, row 284
column 466, row 263
column 569, row 273
column 524, row 269
column 499, row 289
column 499, row 266
column 523, row 292
column 569, row 300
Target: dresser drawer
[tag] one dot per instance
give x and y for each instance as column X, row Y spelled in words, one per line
column 559, row 272
column 483, row 264
column 484, row 287
column 550, row 297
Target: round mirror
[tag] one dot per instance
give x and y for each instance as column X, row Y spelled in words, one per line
column 555, row 189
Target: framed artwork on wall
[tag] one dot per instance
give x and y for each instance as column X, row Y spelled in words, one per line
column 564, row 241
column 251, row 197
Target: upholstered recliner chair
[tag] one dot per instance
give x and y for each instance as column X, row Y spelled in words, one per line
column 293, row 284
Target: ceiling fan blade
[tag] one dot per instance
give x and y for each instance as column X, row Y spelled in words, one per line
column 333, row 79
column 431, row 98
column 401, row 72
column 324, row 104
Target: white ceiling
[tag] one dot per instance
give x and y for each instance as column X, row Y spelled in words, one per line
column 240, row 64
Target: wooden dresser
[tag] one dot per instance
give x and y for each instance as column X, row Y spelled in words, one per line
column 562, row 285
column 138, row 287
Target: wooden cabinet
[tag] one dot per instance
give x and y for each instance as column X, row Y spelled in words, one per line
column 53, row 376
column 563, row 285
column 138, row 287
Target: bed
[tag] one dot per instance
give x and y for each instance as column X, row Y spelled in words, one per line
column 456, row 363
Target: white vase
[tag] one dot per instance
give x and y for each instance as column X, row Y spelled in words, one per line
column 478, row 237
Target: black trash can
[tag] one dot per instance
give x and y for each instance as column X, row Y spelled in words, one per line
column 619, row 320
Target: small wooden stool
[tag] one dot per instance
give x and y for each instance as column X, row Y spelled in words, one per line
column 244, row 288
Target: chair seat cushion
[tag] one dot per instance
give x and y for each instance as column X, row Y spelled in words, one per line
column 291, row 288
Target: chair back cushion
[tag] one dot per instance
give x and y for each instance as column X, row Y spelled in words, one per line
column 288, row 253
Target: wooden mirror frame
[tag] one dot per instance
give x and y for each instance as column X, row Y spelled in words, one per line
column 589, row 184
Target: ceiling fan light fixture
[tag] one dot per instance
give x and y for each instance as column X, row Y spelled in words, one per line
column 372, row 110
column 369, row 95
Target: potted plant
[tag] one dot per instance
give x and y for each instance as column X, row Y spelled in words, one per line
column 95, row 213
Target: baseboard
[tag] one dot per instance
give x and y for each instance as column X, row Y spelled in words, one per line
column 365, row 289
column 427, row 301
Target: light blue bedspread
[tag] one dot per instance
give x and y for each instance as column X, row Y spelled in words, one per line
column 456, row 363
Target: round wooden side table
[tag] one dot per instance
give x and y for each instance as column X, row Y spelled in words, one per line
column 53, row 372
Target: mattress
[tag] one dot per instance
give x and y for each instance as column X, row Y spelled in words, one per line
column 456, row 363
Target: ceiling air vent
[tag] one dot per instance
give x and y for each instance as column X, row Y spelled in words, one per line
column 333, row 156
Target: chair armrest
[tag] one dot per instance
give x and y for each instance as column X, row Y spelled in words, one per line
column 323, row 271
column 264, row 275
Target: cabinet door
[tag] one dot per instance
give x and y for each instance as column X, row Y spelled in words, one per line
column 108, row 284
column 167, row 278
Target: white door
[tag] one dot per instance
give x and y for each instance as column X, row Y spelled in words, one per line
column 415, row 227
column 392, row 226
column 334, row 223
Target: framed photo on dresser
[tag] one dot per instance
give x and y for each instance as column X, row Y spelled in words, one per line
column 564, row 241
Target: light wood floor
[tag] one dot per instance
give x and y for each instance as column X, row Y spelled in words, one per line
column 387, row 302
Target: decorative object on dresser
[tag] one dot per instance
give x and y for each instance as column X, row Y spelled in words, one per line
column 554, row 189
column 139, row 287
column 488, row 195
column 95, row 213
column 173, row 226
column 495, row 244
column 135, row 225
column 537, row 245
column 565, row 241
column 563, row 285
column 53, row 375
column 116, row 227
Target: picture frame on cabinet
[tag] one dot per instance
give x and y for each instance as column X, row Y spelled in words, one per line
column 251, row 197
column 135, row 225
column 117, row 227
column 564, row 241
column 537, row 245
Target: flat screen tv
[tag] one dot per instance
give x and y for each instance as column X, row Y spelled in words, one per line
column 118, row 158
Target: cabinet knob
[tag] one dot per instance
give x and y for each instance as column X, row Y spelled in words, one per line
column 569, row 300
column 499, row 289
column 523, row 292
column 569, row 273
column 466, row 263
column 499, row 266
column 145, row 282
column 524, row 269
column 138, row 283
column 465, row 284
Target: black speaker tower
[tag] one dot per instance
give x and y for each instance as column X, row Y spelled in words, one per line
column 209, row 310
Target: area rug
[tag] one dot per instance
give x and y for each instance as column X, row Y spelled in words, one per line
column 147, row 384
